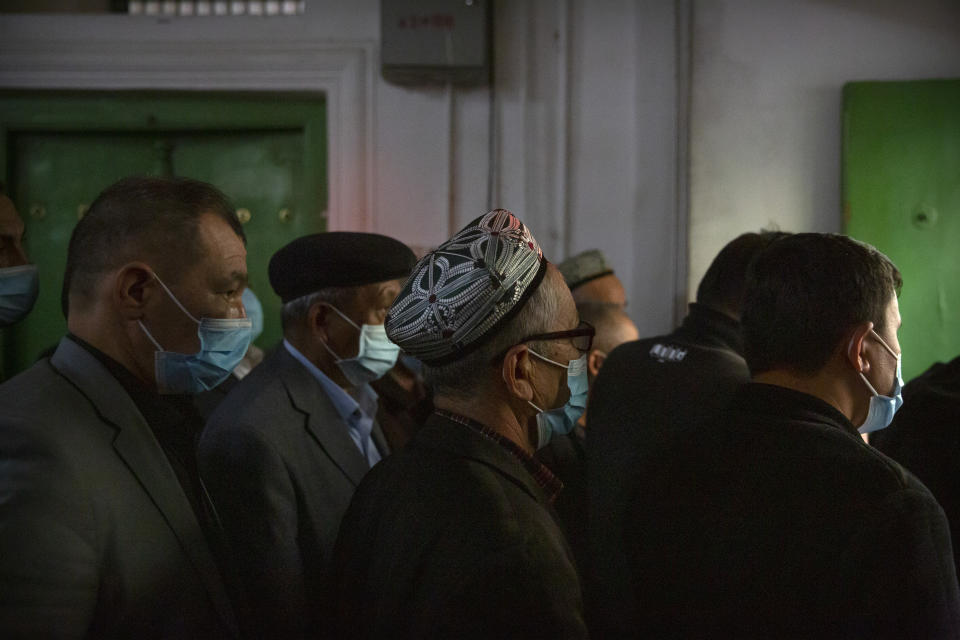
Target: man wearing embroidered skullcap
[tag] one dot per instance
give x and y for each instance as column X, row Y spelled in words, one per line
column 455, row 535
column 283, row 453
column 592, row 280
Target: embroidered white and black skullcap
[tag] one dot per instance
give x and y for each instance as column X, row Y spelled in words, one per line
column 463, row 291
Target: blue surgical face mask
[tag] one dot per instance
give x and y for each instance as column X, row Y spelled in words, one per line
column 254, row 311
column 562, row 420
column 18, row 293
column 882, row 408
column 375, row 354
column 223, row 343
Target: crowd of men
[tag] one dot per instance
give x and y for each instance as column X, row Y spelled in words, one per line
column 416, row 457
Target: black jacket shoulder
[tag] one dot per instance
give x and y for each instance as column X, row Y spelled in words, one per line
column 453, row 537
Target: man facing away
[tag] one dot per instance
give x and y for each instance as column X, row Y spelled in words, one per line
column 650, row 393
column 779, row 520
column 284, row 452
column 455, row 536
column 104, row 524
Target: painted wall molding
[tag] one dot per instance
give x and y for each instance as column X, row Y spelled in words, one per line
column 344, row 71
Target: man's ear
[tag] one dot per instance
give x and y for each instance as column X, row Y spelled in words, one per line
column 516, row 369
column 133, row 287
column 317, row 318
column 595, row 360
column 855, row 347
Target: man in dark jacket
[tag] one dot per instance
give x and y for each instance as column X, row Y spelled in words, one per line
column 779, row 520
column 283, row 454
column 104, row 524
column 925, row 438
column 650, row 393
column 455, row 535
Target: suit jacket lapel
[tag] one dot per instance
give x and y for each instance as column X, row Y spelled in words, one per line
column 323, row 421
column 139, row 449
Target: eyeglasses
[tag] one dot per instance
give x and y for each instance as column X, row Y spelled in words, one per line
column 581, row 337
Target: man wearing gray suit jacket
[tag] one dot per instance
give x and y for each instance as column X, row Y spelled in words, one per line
column 104, row 525
column 284, row 452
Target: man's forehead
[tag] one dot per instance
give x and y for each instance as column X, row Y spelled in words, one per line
column 220, row 240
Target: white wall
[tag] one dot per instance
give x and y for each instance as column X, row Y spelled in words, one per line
column 588, row 128
column 584, row 118
column 766, row 104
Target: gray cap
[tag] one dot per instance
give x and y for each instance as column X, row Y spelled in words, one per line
column 584, row 267
column 460, row 293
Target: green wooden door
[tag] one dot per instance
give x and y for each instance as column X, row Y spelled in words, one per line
column 901, row 190
column 62, row 150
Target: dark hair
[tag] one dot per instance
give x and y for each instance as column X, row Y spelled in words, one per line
column 722, row 285
column 143, row 218
column 805, row 292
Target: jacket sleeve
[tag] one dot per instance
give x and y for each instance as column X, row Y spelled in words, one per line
column 48, row 560
column 256, row 504
column 901, row 570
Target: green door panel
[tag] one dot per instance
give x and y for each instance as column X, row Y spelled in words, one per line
column 59, row 150
column 901, row 191
column 263, row 174
column 58, row 177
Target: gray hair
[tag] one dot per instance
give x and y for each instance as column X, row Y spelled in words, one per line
column 462, row 378
column 296, row 310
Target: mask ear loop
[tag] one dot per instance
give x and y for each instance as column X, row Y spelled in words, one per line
column 149, row 335
column 331, row 351
column 884, row 343
column 860, row 373
column 174, row 298
column 342, row 315
column 546, row 359
column 869, row 386
column 175, row 301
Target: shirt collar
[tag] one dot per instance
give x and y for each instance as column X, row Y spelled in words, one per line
column 351, row 411
column 550, row 483
column 712, row 326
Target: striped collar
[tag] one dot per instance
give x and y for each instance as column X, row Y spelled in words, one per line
column 550, row 483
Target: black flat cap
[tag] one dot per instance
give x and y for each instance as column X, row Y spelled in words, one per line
column 337, row 259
